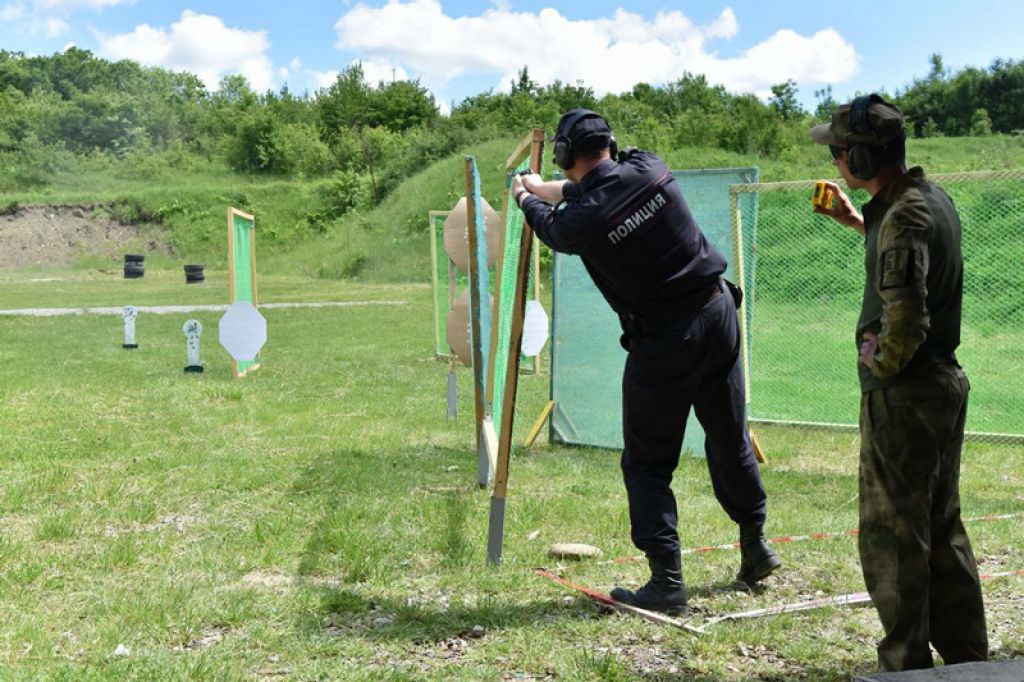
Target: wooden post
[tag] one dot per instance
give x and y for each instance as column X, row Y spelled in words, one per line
column 496, row 530
column 539, row 424
column 740, row 273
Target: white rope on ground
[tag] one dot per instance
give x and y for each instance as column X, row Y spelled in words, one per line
column 838, row 600
column 171, row 309
column 851, row 599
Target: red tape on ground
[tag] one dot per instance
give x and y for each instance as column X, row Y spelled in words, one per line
column 797, row 538
column 661, row 619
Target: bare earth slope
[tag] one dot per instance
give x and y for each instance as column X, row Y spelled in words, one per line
column 56, row 235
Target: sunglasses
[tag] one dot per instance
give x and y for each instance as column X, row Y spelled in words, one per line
column 836, row 151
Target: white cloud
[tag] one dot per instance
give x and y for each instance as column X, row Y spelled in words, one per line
column 285, row 72
column 378, row 70
column 608, row 54
column 32, row 21
column 12, row 12
column 374, row 71
column 322, row 79
column 71, row 5
column 198, row 43
column 54, row 27
column 49, row 18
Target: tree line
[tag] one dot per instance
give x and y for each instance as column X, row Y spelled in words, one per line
column 371, row 136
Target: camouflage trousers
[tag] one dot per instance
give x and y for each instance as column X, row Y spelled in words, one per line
column 914, row 551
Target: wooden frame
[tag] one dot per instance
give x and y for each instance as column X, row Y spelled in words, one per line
column 496, row 526
column 232, row 212
column 436, row 282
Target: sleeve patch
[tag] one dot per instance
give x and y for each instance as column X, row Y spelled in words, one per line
column 897, row 268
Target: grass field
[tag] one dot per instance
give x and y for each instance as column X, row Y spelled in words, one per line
column 319, row 520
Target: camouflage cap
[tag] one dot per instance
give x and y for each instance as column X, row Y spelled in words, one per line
column 880, row 123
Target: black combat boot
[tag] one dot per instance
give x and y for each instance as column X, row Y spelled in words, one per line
column 664, row 592
column 757, row 559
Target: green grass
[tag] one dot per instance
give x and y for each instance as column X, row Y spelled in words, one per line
column 319, row 519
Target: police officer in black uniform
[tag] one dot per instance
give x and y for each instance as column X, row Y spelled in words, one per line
column 627, row 220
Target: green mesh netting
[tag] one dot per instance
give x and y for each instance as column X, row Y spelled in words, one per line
column 442, row 271
column 242, row 257
column 506, row 284
column 810, row 280
column 586, row 358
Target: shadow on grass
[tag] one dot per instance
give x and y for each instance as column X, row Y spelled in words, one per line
column 385, row 618
column 363, row 543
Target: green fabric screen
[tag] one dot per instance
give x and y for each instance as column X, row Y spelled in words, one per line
column 586, row 357
column 242, row 257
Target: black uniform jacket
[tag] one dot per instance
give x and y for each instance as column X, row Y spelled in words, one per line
column 630, row 225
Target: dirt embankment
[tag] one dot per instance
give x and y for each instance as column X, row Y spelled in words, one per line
column 56, row 235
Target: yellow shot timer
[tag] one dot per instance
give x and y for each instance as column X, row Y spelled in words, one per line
column 822, row 196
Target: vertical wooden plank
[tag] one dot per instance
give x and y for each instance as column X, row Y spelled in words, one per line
column 496, row 528
column 231, row 273
column 434, row 280
column 536, row 164
column 740, row 276
column 252, row 261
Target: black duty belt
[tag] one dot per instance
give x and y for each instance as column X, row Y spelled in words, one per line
column 651, row 324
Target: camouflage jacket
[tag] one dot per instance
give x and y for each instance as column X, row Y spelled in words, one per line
column 913, row 289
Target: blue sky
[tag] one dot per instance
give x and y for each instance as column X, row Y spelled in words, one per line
column 459, row 48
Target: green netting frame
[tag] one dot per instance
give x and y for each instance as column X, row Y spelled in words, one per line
column 810, row 278
column 586, row 358
column 243, row 261
column 505, row 293
column 440, row 274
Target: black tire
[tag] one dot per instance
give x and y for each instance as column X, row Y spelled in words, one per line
column 134, row 258
column 194, row 274
column 134, row 270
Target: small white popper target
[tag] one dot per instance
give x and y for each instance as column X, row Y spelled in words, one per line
column 535, row 329
column 193, row 329
column 243, row 331
column 128, row 314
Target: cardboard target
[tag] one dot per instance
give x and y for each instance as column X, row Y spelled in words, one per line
column 456, row 241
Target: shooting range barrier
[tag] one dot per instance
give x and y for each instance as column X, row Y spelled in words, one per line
column 586, row 357
column 803, row 278
column 242, row 272
column 807, row 287
column 517, row 249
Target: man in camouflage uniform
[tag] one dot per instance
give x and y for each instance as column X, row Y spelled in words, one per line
column 914, row 551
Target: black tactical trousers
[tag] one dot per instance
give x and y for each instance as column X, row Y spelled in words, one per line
column 693, row 361
column 917, row 560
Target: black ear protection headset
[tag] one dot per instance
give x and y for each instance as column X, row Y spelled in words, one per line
column 563, row 139
column 864, row 156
